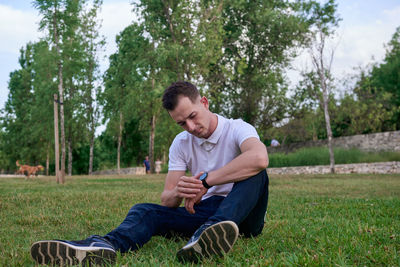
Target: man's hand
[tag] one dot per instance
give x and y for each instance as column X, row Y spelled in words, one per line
column 190, row 202
column 189, row 187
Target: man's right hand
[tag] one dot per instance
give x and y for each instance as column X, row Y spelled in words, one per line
column 178, row 187
column 189, row 187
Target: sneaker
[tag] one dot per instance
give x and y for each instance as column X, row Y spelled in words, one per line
column 208, row 240
column 95, row 250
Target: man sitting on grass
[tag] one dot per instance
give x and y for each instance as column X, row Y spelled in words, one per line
column 226, row 194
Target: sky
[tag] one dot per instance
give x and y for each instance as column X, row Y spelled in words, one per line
column 366, row 26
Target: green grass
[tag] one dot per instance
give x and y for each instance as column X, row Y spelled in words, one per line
column 314, row 220
column 320, row 156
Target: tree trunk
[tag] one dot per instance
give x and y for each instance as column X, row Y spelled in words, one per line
column 318, row 61
column 61, row 96
column 152, row 133
column 119, row 143
column 56, row 141
column 92, row 114
column 91, row 153
column 47, row 160
column 62, row 129
column 69, row 157
column 151, row 143
column 325, row 100
column 328, row 130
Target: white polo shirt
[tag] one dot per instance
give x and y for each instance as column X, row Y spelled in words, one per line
column 188, row 152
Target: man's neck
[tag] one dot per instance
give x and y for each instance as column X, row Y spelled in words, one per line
column 213, row 124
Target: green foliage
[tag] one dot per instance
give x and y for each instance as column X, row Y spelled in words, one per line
column 223, row 46
column 28, row 116
column 27, row 127
column 258, row 44
column 106, row 154
column 312, row 220
column 320, row 156
column 374, row 105
column 385, row 79
column 134, row 149
column 371, row 106
column 236, row 52
column 363, row 116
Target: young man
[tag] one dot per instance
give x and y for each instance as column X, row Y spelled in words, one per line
column 226, row 194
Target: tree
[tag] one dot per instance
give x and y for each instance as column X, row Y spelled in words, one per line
column 44, row 69
column 17, row 111
column 121, row 77
column 73, row 31
column 185, row 40
column 385, row 80
column 73, row 58
column 171, row 43
column 259, row 41
column 92, row 44
column 53, row 20
column 26, row 121
column 323, row 29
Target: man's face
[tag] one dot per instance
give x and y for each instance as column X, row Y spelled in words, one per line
column 193, row 117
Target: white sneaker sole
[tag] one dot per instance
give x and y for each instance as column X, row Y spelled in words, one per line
column 55, row 252
column 218, row 239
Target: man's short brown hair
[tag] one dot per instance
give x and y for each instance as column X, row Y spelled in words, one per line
column 177, row 89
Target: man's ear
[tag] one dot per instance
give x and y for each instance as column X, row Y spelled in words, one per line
column 204, row 101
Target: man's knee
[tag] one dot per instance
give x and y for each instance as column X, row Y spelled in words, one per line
column 259, row 180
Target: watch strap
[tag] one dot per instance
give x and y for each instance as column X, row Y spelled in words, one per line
column 203, row 178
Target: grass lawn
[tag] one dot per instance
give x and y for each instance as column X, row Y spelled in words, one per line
column 314, row 220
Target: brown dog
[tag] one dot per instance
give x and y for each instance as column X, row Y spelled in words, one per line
column 30, row 170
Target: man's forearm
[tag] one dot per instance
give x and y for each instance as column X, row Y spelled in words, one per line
column 170, row 199
column 247, row 164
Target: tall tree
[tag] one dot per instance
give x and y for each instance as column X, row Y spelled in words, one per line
column 44, row 87
column 92, row 44
column 259, row 37
column 184, row 40
column 323, row 29
column 53, row 20
column 73, row 58
column 29, row 101
column 18, row 109
column 72, row 29
column 385, row 80
column 120, row 78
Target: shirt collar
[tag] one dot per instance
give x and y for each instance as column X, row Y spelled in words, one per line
column 213, row 139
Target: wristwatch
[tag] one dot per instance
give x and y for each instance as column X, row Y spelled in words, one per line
column 203, row 178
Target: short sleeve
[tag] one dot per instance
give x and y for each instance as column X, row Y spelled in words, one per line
column 243, row 131
column 176, row 156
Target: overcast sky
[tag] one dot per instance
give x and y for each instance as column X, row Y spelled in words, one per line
column 365, row 27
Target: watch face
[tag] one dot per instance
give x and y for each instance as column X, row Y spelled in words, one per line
column 203, row 176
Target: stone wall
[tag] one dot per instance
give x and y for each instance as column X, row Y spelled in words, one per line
column 135, row 171
column 386, row 141
column 378, row 167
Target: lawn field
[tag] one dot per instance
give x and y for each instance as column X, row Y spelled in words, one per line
column 312, row 220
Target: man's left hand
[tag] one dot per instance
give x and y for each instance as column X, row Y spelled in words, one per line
column 190, row 202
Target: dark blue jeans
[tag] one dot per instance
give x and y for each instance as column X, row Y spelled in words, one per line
column 246, row 205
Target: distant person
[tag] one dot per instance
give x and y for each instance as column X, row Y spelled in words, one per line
column 146, row 164
column 275, row 143
column 226, row 192
column 158, row 165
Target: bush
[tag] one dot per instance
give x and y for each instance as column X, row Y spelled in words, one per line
column 320, row 156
